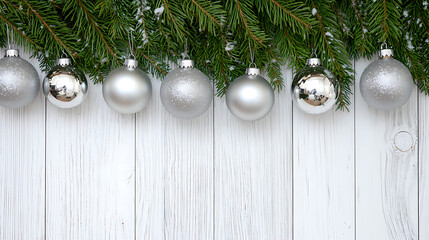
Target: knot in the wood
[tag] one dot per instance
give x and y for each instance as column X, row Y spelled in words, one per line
column 403, row 141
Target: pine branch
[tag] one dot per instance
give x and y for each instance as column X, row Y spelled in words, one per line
column 206, row 13
column 95, row 34
column 307, row 25
column 344, row 79
column 60, row 42
column 178, row 27
column 244, row 20
column 37, row 47
column 153, row 63
column 95, row 25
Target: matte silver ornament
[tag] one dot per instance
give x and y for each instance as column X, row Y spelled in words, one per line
column 127, row 89
column 386, row 83
column 314, row 88
column 65, row 86
column 250, row 97
column 19, row 81
column 186, row 92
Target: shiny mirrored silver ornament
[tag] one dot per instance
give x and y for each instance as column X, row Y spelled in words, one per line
column 127, row 89
column 250, row 97
column 65, row 85
column 386, row 83
column 186, row 92
column 19, row 81
column 314, row 88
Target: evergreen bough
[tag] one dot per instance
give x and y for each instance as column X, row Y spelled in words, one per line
column 220, row 34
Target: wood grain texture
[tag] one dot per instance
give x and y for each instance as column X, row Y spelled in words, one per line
column 386, row 169
column 323, row 156
column 174, row 174
column 423, row 166
column 360, row 175
column 253, row 173
column 22, row 168
column 90, row 159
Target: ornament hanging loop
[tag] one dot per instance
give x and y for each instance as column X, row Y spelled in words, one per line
column 64, row 60
column 385, row 52
column 63, row 54
column 313, row 53
column 10, row 40
column 252, row 57
column 131, row 45
column 11, row 50
column 185, row 53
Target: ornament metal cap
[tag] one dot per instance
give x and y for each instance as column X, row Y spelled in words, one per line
column 386, row 53
column 186, row 63
column 253, row 71
column 131, row 63
column 313, row 62
column 64, row 61
column 11, row 52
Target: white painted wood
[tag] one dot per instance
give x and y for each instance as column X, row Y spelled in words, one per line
column 424, row 166
column 22, row 168
column 174, row 174
column 90, row 159
column 151, row 176
column 386, row 169
column 253, row 173
column 323, row 170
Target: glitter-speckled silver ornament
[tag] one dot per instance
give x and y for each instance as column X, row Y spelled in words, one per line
column 127, row 89
column 65, row 86
column 250, row 97
column 386, row 83
column 19, row 81
column 314, row 88
column 186, row 92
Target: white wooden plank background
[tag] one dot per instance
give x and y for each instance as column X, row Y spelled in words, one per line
column 90, row 173
column 323, row 155
column 22, row 169
column 174, row 174
column 90, row 162
column 253, row 173
column 386, row 169
column 423, row 166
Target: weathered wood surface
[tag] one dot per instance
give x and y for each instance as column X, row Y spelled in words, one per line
column 90, row 173
column 386, row 169
column 22, row 169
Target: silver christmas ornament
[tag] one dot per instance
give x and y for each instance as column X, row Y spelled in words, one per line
column 250, row 97
column 19, row 81
column 127, row 89
column 65, row 86
column 386, row 83
column 314, row 88
column 186, row 92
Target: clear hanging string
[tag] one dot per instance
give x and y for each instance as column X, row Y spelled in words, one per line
column 313, row 53
column 252, row 57
column 63, row 54
column 185, row 54
column 9, row 36
column 131, row 45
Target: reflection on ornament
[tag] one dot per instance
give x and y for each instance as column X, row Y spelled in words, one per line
column 65, row 86
column 186, row 92
column 250, row 97
column 314, row 88
column 127, row 89
column 19, row 81
column 386, row 83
